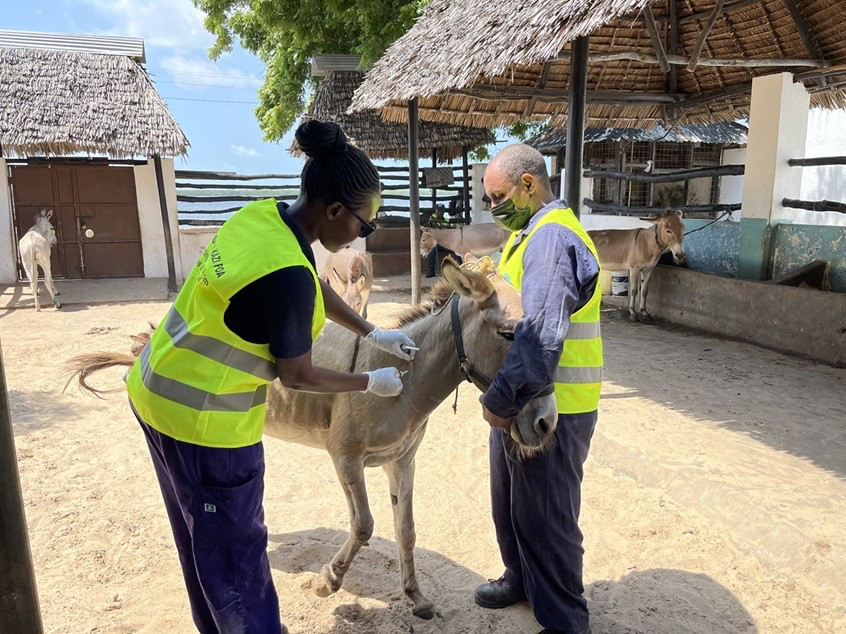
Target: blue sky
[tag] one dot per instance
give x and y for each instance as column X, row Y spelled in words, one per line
column 224, row 136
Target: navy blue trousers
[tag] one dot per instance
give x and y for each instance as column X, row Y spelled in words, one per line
column 536, row 514
column 213, row 499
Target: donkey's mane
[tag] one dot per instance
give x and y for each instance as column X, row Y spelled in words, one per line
column 441, row 293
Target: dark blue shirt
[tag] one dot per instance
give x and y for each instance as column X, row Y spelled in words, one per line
column 278, row 308
column 559, row 277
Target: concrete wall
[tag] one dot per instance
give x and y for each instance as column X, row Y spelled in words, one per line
column 796, row 245
column 826, row 137
column 796, row 320
column 150, row 219
column 8, row 253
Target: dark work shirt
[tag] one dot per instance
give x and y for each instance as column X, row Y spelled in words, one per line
column 278, row 308
column 559, row 277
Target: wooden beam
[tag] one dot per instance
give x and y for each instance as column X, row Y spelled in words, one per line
column 714, row 96
column 806, row 35
column 822, row 160
column 414, row 194
column 700, row 43
column 465, row 177
column 577, row 105
column 517, row 93
column 681, row 60
column 168, row 237
column 668, row 177
column 19, row 609
column 839, row 69
column 541, row 84
column 673, row 44
column 694, row 17
column 815, row 205
column 633, row 211
column 649, row 18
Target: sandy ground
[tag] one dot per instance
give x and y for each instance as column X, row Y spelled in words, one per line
column 714, row 497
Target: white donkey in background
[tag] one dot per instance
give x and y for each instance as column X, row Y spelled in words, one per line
column 35, row 251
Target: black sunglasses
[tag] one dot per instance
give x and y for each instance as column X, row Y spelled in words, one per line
column 366, row 227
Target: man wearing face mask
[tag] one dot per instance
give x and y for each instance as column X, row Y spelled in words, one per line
column 551, row 260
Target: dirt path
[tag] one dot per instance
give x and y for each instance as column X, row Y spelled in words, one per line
column 713, row 499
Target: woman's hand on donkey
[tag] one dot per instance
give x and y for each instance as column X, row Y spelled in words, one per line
column 394, row 341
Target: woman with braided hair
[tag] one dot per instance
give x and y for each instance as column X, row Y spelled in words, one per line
column 248, row 314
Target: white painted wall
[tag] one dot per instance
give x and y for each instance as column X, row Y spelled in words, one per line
column 150, row 219
column 195, row 239
column 478, row 209
column 8, row 254
column 826, row 137
column 778, row 123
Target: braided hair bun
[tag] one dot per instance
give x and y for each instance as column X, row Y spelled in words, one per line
column 319, row 139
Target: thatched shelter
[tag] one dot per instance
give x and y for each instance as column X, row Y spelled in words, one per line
column 85, row 134
column 383, row 140
column 62, row 102
column 495, row 63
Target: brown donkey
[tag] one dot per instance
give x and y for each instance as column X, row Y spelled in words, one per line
column 638, row 251
column 472, row 311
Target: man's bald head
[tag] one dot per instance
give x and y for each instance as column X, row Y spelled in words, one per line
column 515, row 160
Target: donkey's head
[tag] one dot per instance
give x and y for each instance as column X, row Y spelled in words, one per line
column 488, row 321
column 427, row 242
column 42, row 225
column 356, row 287
column 670, row 232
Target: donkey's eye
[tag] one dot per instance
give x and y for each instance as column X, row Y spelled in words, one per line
column 506, row 334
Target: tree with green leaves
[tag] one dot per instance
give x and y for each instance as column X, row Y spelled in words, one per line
column 286, row 34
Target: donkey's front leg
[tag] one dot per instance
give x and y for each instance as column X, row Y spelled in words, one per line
column 350, row 471
column 401, row 481
column 634, row 283
column 644, row 286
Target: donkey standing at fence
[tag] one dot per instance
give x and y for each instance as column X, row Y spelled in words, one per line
column 638, row 251
column 466, row 326
column 350, row 274
column 480, row 240
column 35, row 251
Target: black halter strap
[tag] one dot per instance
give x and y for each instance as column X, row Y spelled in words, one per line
column 470, row 373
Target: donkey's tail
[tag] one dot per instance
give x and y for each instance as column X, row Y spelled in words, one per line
column 83, row 366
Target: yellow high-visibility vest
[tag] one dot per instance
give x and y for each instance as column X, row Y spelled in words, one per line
column 578, row 379
column 196, row 380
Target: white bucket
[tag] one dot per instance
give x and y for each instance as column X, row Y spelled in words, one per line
column 620, row 283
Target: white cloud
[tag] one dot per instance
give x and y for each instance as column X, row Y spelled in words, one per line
column 174, row 24
column 191, row 73
column 240, row 150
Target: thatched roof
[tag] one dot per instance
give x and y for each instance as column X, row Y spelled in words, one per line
column 495, row 62
column 383, row 140
column 63, row 102
column 553, row 139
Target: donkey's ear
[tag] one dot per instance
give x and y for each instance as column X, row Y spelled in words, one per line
column 679, row 213
column 469, row 258
column 336, row 276
column 360, row 282
column 651, row 219
column 466, row 282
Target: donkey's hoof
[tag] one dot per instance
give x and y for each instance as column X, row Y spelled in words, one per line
column 326, row 583
column 632, row 316
column 425, row 611
column 58, row 304
column 57, row 293
column 645, row 318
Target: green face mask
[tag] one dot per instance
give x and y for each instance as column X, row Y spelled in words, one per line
column 508, row 216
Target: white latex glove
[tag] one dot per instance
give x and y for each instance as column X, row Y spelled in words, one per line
column 394, row 341
column 384, row 382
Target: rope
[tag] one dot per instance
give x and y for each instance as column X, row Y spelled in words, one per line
column 723, row 215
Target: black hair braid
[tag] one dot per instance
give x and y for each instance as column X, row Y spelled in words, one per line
column 335, row 170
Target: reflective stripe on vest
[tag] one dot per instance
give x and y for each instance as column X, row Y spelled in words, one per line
column 193, row 397
column 197, row 381
column 217, row 350
column 579, row 373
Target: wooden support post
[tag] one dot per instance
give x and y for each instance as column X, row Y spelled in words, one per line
column 700, row 43
column 576, row 122
column 805, row 34
column 168, row 237
column 465, row 172
column 434, row 191
column 19, row 610
column 656, row 39
column 414, row 196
